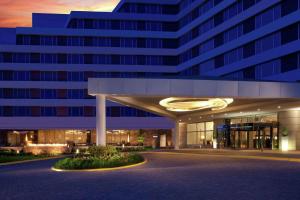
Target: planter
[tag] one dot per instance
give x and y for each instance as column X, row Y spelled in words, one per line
column 285, row 143
column 215, row 143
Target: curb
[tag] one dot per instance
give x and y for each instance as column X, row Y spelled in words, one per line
column 32, row 160
column 100, row 169
column 237, row 156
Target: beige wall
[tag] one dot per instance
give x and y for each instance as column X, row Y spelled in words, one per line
column 291, row 121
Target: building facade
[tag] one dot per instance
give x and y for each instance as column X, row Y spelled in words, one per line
column 44, row 69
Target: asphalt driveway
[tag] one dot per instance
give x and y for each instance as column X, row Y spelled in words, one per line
column 165, row 176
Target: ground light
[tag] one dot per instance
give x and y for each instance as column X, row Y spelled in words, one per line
column 285, row 144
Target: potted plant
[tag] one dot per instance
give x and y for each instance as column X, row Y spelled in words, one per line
column 141, row 140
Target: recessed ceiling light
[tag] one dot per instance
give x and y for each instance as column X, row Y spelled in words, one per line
column 258, row 109
column 279, row 107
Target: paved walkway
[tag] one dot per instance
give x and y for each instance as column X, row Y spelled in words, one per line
column 165, row 176
column 265, row 153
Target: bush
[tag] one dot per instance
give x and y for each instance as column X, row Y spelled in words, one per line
column 92, row 162
column 134, row 148
column 102, row 152
column 99, row 157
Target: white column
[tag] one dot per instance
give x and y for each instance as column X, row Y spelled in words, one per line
column 100, row 120
column 176, row 136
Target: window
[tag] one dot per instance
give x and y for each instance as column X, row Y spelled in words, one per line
column 35, row 75
column 200, row 134
column 88, row 41
column 61, row 40
column 289, row 62
column 249, row 25
column 62, row 76
column 219, row 61
column 88, row 59
column 218, row 19
column 89, row 111
column 35, row 40
column 207, row 66
column 268, row 42
column 268, row 69
column 7, row 57
column 115, row 111
column 62, row 93
column 268, row 16
column 289, row 34
column 233, row 56
column 288, row 6
column 62, row 58
column 249, row 73
column 249, row 50
column 248, row 3
column 35, row 111
column 35, row 93
column 219, row 40
column 88, row 23
column 62, row 111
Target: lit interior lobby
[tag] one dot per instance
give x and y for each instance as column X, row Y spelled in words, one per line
column 210, row 113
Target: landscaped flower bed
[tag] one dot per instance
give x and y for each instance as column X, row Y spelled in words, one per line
column 99, row 157
column 13, row 156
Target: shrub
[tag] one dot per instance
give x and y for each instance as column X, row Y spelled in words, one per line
column 103, row 152
column 117, row 160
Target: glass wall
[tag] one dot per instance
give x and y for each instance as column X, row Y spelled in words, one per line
column 200, row 134
column 254, row 132
column 85, row 137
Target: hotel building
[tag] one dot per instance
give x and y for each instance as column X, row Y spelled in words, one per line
column 166, row 73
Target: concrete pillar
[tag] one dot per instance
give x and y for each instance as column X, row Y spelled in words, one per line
column 175, row 136
column 179, row 135
column 289, row 120
column 100, row 120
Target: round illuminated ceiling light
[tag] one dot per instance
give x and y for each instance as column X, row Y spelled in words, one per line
column 194, row 104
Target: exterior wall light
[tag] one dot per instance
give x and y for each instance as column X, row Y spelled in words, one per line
column 193, row 104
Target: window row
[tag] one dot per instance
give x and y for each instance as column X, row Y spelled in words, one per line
column 32, row 93
column 35, row 111
column 104, row 24
column 288, row 34
column 96, row 41
column 149, row 8
column 217, row 19
column 259, row 72
column 199, row 11
column 284, row 36
column 9, row 75
column 87, row 59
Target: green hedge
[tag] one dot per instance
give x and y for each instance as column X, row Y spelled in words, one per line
column 91, row 162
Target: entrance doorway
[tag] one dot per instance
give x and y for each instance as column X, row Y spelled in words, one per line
column 250, row 136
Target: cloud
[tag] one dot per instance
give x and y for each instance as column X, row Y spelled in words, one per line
column 18, row 12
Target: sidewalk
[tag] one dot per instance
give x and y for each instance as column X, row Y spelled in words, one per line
column 232, row 152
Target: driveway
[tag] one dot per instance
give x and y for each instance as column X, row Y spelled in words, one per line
column 165, row 176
